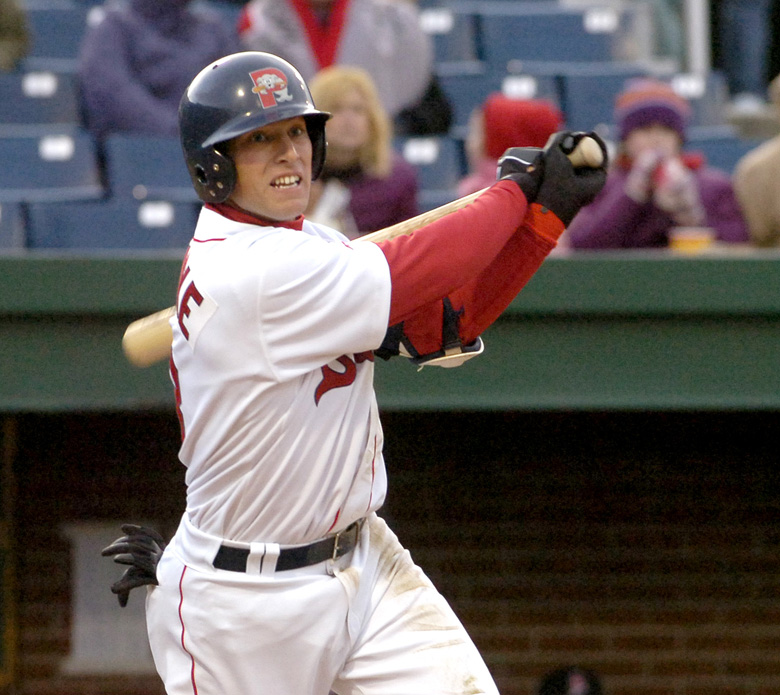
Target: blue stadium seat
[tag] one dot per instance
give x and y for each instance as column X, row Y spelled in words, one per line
column 37, row 98
column 11, row 226
column 721, row 151
column 454, row 34
column 111, row 224
column 60, row 165
column 547, row 31
column 467, row 84
column 145, row 166
column 708, row 96
column 438, row 160
column 588, row 91
column 56, row 29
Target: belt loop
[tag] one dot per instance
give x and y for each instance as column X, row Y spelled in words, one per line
column 268, row 565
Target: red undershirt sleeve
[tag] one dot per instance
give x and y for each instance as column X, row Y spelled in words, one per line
column 433, row 261
column 482, row 298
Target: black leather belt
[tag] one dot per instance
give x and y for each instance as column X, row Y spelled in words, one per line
column 330, row 548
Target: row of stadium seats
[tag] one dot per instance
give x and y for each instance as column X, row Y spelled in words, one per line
column 63, row 190
column 541, row 49
column 528, row 49
column 66, row 179
column 495, row 31
column 97, row 225
column 584, row 92
column 69, row 164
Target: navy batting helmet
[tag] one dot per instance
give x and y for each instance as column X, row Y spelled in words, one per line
column 235, row 95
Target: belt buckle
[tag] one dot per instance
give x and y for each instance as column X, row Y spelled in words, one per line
column 354, row 526
column 335, row 555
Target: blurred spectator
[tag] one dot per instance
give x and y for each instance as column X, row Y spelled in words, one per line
column 500, row 123
column 743, row 34
column 365, row 185
column 757, row 184
column 571, row 680
column 136, row 62
column 14, row 34
column 382, row 37
column 654, row 186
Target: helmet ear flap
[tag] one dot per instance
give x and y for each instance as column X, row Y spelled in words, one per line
column 213, row 174
column 316, row 128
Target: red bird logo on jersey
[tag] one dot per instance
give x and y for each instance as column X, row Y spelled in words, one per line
column 270, row 86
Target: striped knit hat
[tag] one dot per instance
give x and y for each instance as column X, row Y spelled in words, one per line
column 647, row 101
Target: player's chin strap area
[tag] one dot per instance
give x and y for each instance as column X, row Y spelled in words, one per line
column 452, row 354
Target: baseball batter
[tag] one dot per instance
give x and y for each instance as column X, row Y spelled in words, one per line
column 281, row 578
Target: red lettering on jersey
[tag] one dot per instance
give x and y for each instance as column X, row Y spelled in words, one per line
column 185, row 268
column 177, row 392
column 184, row 306
column 367, row 356
column 331, row 379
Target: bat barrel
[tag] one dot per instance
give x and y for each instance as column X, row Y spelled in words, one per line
column 148, row 340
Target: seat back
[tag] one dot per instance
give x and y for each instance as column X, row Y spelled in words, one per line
column 111, row 224
column 438, row 160
column 721, row 151
column 59, row 165
column 708, row 96
column 146, row 166
column 56, row 30
column 549, row 32
column 453, row 34
column 468, row 84
column 30, row 99
column 11, row 226
column 588, row 91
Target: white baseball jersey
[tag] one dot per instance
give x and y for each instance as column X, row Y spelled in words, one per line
column 273, row 366
column 273, row 372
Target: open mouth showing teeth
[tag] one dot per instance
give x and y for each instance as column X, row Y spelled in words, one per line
column 286, row 181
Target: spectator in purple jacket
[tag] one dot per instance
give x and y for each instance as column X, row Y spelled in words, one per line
column 136, row 62
column 654, row 185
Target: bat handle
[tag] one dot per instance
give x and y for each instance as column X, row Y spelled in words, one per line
column 585, row 152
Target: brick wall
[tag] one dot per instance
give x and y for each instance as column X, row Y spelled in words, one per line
column 643, row 546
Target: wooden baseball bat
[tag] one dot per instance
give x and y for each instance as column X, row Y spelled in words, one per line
column 148, row 340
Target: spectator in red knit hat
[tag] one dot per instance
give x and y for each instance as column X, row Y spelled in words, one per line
column 502, row 122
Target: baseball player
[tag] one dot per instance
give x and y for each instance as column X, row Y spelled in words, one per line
column 281, row 577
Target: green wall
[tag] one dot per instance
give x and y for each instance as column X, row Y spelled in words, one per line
column 592, row 331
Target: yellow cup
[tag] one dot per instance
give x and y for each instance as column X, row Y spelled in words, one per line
column 691, row 239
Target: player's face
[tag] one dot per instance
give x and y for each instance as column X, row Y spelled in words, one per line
column 273, row 166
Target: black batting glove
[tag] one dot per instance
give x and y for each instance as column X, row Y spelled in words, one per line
column 564, row 189
column 520, row 164
column 141, row 547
